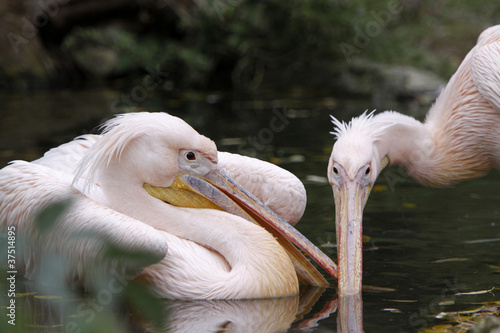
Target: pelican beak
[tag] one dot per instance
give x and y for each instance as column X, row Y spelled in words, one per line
column 217, row 190
column 350, row 198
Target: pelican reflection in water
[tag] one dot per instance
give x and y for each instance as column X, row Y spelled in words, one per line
column 313, row 307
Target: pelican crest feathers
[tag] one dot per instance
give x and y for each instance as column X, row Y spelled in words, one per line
column 364, row 124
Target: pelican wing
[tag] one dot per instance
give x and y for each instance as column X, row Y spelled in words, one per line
column 67, row 156
column 485, row 67
column 275, row 187
column 26, row 189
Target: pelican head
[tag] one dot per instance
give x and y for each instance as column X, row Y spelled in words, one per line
column 147, row 148
column 353, row 168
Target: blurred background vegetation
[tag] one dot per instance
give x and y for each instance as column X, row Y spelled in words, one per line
column 220, row 44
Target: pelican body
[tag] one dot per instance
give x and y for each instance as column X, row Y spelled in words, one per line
column 457, row 141
column 150, row 184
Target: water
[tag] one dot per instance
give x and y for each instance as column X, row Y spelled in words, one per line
column 426, row 244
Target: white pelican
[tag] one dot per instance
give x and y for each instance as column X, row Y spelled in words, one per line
column 128, row 187
column 457, row 141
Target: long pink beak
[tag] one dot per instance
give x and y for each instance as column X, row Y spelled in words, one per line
column 350, row 199
column 217, row 190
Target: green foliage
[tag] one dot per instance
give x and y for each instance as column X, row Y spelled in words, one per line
column 301, row 36
column 145, row 305
column 48, row 217
column 139, row 258
column 243, row 41
column 254, row 36
column 225, row 36
column 434, row 35
column 52, row 304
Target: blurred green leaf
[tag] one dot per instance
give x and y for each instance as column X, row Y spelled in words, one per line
column 145, row 304
column 141, row 258
column 49, row 216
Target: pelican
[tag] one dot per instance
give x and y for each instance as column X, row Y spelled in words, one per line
column 457, row 141
column 151, row 184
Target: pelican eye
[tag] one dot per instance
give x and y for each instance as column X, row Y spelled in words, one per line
column 335, row 170
column 367, row 171
column 191, row 156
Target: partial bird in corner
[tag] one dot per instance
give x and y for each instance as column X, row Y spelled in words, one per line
column 457, row 141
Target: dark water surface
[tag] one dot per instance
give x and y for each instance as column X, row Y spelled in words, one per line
column 427, row 244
